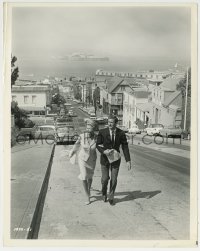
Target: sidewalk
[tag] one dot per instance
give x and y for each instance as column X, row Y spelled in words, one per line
column 28, row 169
column 147, row 205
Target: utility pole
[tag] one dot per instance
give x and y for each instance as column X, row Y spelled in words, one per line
column 186, row 98
column 83, row 95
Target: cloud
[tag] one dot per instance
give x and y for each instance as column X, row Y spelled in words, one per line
column 119, row 31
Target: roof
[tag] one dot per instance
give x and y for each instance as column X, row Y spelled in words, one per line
column 141, row 94
column 32, row 108
column 32, row 88
column 145, row 107
column 112, row 86
column 138, row 93
column 171, row 98
column 170, row 84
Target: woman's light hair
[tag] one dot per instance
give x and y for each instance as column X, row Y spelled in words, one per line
column 93, row 124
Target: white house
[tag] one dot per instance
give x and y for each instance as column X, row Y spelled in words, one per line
column 166, row 103
column 33, row 99
column 130, row 102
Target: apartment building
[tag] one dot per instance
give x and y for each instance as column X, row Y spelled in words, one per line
column 166, row 103
column 33, row 98
column 131, row 102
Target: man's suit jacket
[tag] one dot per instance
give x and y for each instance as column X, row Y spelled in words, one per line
column 104, row 142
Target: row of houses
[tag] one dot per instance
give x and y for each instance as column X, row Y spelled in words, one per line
column 36, row 96
column 155, row 102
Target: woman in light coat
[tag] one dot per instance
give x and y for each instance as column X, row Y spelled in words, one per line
column 86, row 145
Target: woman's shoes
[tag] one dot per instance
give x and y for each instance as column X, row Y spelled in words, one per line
column 88, row 201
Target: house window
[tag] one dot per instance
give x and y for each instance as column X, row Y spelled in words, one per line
column 14, row 98
column 25, row 99
column 34, row 99
column 123, row 88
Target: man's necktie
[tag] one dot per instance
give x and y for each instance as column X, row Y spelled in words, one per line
column 113, row 138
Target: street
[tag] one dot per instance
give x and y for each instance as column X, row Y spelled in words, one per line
column 152, row 200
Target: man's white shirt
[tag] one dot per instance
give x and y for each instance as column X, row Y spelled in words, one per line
column 111, row 133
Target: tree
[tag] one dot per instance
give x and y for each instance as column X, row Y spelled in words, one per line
column 58, row 99
column 96, row 98
column 77, row 91
column 14, row 70
column 181, row 86
column 20, row 116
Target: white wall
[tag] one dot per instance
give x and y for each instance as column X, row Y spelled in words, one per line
column 40, row 100
column 129, row 109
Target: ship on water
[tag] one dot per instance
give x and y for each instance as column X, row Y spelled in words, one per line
column 85, row 57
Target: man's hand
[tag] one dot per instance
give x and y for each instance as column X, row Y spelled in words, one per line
column 128, row 165
column 71, row 154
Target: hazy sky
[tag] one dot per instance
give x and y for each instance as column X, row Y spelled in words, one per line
column 111, row 31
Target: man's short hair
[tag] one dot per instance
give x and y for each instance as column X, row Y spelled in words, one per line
column 111, row 116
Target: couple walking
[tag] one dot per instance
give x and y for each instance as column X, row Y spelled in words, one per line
column 108, row 140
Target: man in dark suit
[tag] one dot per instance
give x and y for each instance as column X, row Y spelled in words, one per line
column 108, row 139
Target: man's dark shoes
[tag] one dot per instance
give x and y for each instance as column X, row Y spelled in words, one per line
column 104, row 198
column 111, row 202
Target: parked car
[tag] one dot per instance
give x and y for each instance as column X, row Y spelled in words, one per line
column 72, row 113
column 65, row 120
column 45, row 132
column 134, row 130
column 154, row 129
column 26, row 133
column 171, row 132
column 123, row 128
column 66, row 134
column 90, row 110
column 93, row 116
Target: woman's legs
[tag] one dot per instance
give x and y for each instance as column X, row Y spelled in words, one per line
column 85, row 186
column 89, row 185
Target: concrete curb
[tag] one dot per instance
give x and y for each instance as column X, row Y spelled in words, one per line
column 35, row 222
